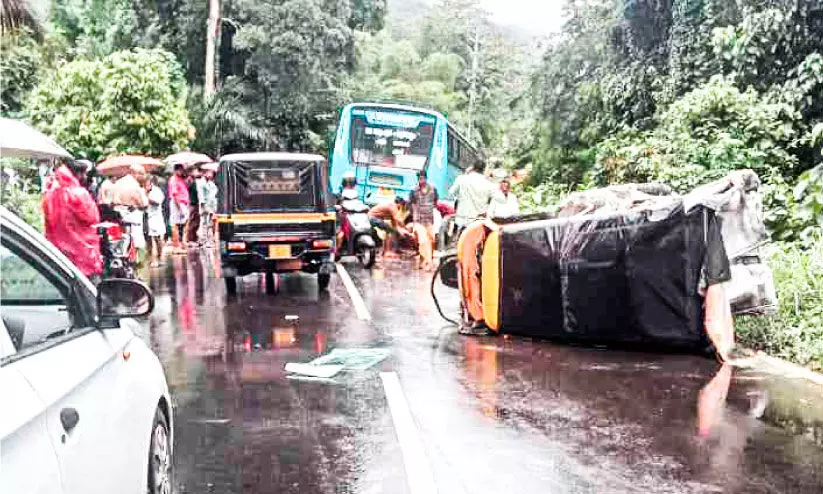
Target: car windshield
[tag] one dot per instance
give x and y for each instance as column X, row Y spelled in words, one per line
column 275, row 185
column 391, row 139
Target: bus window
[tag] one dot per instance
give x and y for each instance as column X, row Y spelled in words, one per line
column 390, row 145
column 454, row 149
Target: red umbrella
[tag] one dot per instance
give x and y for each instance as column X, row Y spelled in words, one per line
column 120, row 164
column 187, row 158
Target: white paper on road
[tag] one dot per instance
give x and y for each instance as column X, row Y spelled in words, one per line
column 353, row 358
column 338, row 359
column 324, row 371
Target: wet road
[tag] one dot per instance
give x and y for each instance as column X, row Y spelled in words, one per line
column 483, row 415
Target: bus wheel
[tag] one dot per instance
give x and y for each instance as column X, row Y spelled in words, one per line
column 231, row 286
column 323, row 280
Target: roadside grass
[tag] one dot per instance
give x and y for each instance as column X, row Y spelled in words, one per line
column 796, row 332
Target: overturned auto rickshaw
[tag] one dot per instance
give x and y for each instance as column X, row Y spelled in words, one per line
column 629, row 264
column 275, row 215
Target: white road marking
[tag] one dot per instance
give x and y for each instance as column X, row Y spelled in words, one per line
column 418, row 471
column 354, row 295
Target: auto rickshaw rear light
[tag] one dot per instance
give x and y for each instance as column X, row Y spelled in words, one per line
column 321, row 244
column 235, row 246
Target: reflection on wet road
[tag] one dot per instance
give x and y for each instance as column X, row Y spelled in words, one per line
column 493, row 414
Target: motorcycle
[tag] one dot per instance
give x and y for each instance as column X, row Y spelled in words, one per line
column 117, row 247
column 359, row 237
column 119, row 254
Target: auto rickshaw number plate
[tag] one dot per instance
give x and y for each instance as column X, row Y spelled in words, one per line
column 279, row 251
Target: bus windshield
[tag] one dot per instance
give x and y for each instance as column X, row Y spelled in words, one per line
column 391, row 138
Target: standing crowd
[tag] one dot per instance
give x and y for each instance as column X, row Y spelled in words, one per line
column 182, row 210
column 75, row 202
column 475, row 197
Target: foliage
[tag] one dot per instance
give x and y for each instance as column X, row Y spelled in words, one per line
column 20, row 192
column 796, row 333
column 95, row 28
column 283, row 64
column 19, row 63
column 619, row 66
column 389, row 69
column 702, row 136
column 130, row 101
column 539, row 198
column 454, row 60
column 809, row 193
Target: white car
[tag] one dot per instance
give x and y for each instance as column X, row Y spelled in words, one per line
column 84, row 403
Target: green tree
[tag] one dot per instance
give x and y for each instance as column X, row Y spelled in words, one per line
column 95, row 28
column 19, row 64
column 129, row 101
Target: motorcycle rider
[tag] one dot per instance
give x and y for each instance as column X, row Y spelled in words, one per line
column 348, row 192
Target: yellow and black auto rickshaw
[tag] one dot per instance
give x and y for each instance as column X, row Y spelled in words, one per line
column 275, row 215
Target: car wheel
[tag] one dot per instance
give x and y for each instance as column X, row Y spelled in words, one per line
column 160, row 460
column 323, row 280
column 231, row 286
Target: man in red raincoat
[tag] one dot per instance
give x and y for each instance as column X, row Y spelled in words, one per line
column 70, row 212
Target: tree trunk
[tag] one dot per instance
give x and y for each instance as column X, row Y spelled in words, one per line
column 210, row 83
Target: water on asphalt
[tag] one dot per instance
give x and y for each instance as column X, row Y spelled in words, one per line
column 494, row 414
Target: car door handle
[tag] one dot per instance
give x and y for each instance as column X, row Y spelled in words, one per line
column 69, row 418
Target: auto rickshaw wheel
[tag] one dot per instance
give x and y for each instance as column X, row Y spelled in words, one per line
column 272, row 283
column 323, row 280
column 231, row 286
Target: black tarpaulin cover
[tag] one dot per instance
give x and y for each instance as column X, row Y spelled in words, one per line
column 611, row 278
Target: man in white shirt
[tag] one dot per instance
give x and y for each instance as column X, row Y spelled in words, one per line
column 504, row 204
column 473, row 193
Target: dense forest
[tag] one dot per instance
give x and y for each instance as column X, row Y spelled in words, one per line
column 677, row 91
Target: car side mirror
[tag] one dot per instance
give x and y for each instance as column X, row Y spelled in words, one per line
column 118, row 298
column 449, row 271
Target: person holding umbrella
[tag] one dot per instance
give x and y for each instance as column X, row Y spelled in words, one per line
column 178, row 192
column 156, row 220
column 193, row 224
column 190, row 215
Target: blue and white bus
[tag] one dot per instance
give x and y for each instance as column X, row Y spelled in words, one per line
column 387, row 145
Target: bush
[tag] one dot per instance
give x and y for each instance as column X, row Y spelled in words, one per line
column 129, row 101
column 24, row 201
column 540, row 198
column 702, row 136
column 796, row 332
